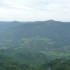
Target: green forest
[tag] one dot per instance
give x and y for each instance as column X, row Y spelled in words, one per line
column 40, row 45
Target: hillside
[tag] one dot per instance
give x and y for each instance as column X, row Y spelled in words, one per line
column 34, row 43
column 58, row 64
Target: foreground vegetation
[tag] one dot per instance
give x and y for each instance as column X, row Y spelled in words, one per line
column 8, row 63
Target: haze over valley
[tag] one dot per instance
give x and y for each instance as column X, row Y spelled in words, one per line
column 34, row 34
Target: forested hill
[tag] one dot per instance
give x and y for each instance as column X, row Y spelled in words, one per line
column 58, row 32
column 52, row 29
column 35, row 43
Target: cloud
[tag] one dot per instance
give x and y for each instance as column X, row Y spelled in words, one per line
column 34, row 10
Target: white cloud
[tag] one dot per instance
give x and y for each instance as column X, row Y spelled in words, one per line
column 32, row 10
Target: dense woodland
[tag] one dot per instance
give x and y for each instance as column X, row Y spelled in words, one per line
column 40, row 45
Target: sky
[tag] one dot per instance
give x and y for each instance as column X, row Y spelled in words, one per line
column 34, row 10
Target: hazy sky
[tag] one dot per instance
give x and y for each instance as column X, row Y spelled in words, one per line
column 34, row 10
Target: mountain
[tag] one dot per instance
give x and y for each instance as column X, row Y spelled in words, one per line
column 34, row 43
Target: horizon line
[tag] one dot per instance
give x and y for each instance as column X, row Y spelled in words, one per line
column 34, row 21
